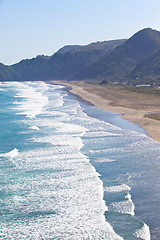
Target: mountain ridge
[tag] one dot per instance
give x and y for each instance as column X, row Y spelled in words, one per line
column 115, row 60
column 61, row 65
column 125, row 57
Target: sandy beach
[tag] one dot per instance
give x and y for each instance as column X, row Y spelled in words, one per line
column 142, row 109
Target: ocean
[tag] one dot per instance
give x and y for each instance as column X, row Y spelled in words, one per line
column 71, row 171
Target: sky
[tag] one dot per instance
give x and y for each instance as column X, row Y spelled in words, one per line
column 40, row 27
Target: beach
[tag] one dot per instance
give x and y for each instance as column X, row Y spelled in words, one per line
column 139, row 108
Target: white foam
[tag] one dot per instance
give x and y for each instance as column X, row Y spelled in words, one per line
column 143, row 233
column 34, row 128
column 57, row 182
column 62, row 140
column 101, row 134
column 105, row 160
column 3, row 90
column 62, row 127
column 13, row 153
column 75, row 194
column 18, row 199
column 118, row 188
column 126, row 206
column 32, row 101
column 59, row 116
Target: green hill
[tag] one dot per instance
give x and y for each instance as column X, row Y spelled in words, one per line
column 123, row 58
column 6, row 72
column 147, row 71
column 61, row 65
column 133, row 61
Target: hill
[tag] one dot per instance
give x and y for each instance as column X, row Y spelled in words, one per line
column 124, row 58
column 62, row 65
column 132, row 61
column 65, row 64
column 102, row 47
column 147, row 71
column 6, row 72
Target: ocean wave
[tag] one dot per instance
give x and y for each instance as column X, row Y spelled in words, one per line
column 104, row 160
column 56, row 182
column 34, row 128
column 118, row 188
column 58, row 116
column 101, row 134
column 75, row 193
column 125, row 207
column 74, row 142
column 143, row 233
column 13, row 153
column 3, row 90
column 65, row 128
column 32, row 100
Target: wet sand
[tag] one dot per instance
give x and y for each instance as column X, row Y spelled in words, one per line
column 138, row 108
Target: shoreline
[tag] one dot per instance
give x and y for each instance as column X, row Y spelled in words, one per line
column 133, row 107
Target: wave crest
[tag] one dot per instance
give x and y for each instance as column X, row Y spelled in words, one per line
column 13, row 153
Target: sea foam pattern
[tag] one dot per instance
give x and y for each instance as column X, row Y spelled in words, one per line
column 65, row 175
column 52, row 191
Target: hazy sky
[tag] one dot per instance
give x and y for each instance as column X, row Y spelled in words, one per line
column 33, row 27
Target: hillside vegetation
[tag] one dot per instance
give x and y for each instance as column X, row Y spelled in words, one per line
column 132, row 61
column 123, row 59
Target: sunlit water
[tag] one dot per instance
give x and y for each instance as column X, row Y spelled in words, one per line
column 65, row 175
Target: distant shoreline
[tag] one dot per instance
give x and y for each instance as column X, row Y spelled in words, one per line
column 134, row 107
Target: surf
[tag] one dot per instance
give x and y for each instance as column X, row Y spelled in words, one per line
column 74, row 175
column 11, row 154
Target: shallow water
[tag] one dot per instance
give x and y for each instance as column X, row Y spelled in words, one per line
column 67, row 175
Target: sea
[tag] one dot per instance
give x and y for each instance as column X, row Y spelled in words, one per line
column 71, row 171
